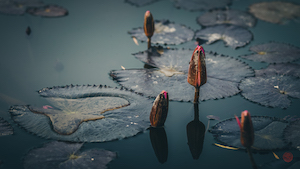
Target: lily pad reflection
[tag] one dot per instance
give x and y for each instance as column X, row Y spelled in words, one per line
column 166, row 32
column 86, row 114
column 223, row 75
column 193, row 5
column 234, row 17
column 275, row 12
column 5, row 128
column 292, row 134
column 274, row 52
column 48, row 11
column 233, row 36
column 64, row 155
column 268, row 133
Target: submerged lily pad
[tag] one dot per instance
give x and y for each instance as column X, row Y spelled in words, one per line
column 274, row 52
column 5, row 128
column 233, row 36
column 17, row 7
column 275, row 12
column 292, row 134
column 86, row 114
column 193, row 5
column 234, row 17
column 139, row 3
column 272, row 90
column 48, row 11
column 67, row 155
column 223, row 75
column 166, row 32
column 268, row 133
column 289, row 69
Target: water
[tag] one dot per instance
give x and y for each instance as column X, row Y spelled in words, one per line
column 91, row 41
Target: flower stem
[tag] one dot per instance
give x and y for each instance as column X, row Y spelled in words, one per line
column 149, row 43
column 197, row 93
column 251, row 158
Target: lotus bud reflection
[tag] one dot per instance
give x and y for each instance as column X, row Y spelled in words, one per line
column 159, row 110
column 246, row 127
column 197, row 70
column 148, row 26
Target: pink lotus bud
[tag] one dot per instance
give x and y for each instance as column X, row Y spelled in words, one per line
column 159, row 110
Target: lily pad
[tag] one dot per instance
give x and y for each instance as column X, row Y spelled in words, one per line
column 5, row 128
column 140, row 3
column 85, row 114
column 48, row 11
column 275, row 12
column 202, row 5
column 271, row 91
column 268, row 133
column 166, row 32
column 17, row 7
column 274, row 52
column 292, row 134
column 233, row 36
column 67, row 155
column 223, row 75
column 289, row 69
column 229, row 16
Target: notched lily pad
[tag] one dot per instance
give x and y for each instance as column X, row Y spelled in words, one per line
column 85, row 114
column 270, row 89
column 166, row 32
column 18, row 7
column 274, row 52
column 276, row 11
column 201, row 5
column 140, row 3
column 268, row 133
column 223, row 75
column 233, row 36
column 5, row 128
column 289, row 69
column 292, row 134
column 67, row 155
column 229, row 16
column 48, row 11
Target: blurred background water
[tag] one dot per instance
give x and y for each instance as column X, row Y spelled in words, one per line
column 84, row 46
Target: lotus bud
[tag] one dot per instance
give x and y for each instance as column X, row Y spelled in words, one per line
column 246, row 127
column 197, row 69
column 148, row 24
column 159, row 110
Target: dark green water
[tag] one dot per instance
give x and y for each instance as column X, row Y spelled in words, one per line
column 91, row 41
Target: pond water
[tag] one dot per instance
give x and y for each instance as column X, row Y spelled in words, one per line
column 83, row 47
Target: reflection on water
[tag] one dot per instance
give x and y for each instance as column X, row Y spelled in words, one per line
column 93, row 40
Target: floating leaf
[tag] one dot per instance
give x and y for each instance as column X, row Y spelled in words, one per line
column 274, row 52
column 233, row 36
column 223, row 75
column 140, row 3
column 272, row 91
column 275, row 12
column 5, row 128
column 166, row 32
column 48, row 11
column 268, row 133
column 193, row 5
column 67, row 155
column 292, row 134
column 17, row 7
column 289, row 69
column 86, row 114
column 234, row 17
